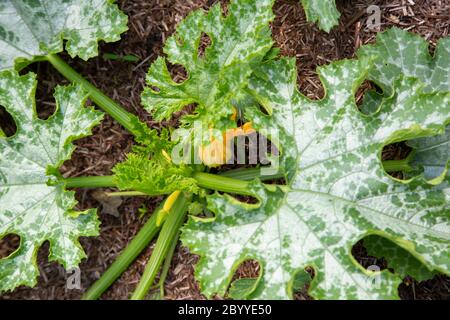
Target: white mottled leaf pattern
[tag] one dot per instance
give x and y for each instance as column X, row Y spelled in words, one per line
column 33, row 204
column 30, row 29
column 398, row 52
column 338, row 191
column 322, row 12
column 239, row 40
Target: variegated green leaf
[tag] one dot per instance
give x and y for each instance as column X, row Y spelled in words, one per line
column 239, row 40
column 322, row 12
column 403, row 263
column 338, row 191
column 33, row 204
column 398, row 52
column 30, row 29
column 433, row 155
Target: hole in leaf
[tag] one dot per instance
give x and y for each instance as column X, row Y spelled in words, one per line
column 309, row 83
column 368, row 97
column 178, row 72
column 7, row 123
column 395, row 151
column 47, row 80
column 245, row 280
column 301, row 282
column 8, row 244
column 368, row 262
column 245, row 199
column 205, row 42
column 431, row 49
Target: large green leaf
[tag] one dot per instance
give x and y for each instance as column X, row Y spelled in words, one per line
column 398, row 52
column 323, row 12
column 338, row 191
column 239, row 40
column 33, row 28
column 33, row 205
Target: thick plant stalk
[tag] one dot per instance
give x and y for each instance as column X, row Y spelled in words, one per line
column 233, row 181
column 90, row 182
column 397, row 165
column 166, row 266
column 136, row 246
column 168, row 234
column 250, row 174
column 220, row 183
column 107, row 104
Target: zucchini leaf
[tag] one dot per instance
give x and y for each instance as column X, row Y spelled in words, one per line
column 239, row 40
column 398, row 52
column 338, row 191
column 322, row 12
column 150, row 168
column 33, row 204
column 31, row 29
column 153, row 176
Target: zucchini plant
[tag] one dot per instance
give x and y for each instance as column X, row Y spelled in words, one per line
column 331, row 188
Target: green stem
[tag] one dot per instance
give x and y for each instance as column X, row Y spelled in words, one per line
column 165, row 240
column 107, row 104
column 90, row 182
column 220, row 183
column 205, row 180
column 166, row 266
column 248, row 174
column 233, row 181
column 136, row 246
column 397, row 165
column 126, row 194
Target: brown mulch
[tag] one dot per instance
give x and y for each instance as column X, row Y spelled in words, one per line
column 150, row 23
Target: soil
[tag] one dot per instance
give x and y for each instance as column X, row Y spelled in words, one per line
column 150, row 24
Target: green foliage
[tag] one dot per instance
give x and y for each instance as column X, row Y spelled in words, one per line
column 336, row 191
column 241, row 289
column 432, row 154
column 153, row 177
column 33, row 203
column 403, row 263
column 398, row 52
column 239, row 41
column 335, row 168
column 323, row 12
column 30, row 30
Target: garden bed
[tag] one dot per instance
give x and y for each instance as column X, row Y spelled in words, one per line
column 150, row 24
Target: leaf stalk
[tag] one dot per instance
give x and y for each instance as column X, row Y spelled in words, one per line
column 168, row 234
column 98, row 97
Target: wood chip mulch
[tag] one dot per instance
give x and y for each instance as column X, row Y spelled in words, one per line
column 150, row 24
